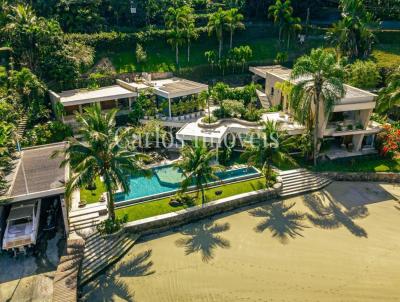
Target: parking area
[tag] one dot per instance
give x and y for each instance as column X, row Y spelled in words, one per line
column 30, row 277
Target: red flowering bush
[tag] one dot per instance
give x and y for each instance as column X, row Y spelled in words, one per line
column 389, row 140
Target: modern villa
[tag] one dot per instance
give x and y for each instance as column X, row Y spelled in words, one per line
column 348, row 124
column 348, row 130
column 166, row 94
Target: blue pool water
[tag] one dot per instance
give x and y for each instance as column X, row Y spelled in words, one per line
column 167, row 179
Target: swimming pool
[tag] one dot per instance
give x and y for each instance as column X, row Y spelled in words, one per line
column 166, row 180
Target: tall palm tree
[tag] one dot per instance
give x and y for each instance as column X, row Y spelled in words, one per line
column 292, row 26
column 271, row 145
column 233, row 22
column 102, row 152
column 217, row 23
column 175, row 22
column 196, row 166
column 389, row 97
column 190, row 31
column 318, row 84
column 352, row 35
column 280, row 12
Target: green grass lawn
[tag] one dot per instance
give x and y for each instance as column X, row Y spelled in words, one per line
column 161, row 206
column 161, row 56
column 387, row 55
column 363, row 164
column 93, row 196
column 262, row 39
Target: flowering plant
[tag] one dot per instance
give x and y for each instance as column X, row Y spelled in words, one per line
column 389, row 140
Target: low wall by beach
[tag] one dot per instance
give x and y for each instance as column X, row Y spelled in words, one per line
column 168, row 221
column 363, row 176
column 218, row 123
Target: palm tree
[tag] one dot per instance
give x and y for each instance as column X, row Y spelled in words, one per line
column 196, row 166
column 233, row 22
column 217, row 23
column 102, row 152
column 292, row 26
column 319, row 84
column 280, row 13
column 21, row 18
column 271, row 145
column 389, row 97
column 352, row 35
column 190, row 31
column 175, row 22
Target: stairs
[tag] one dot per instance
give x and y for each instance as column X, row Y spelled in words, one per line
column 301, row 181
column 22, row 126
column 100, row 253
column 83, row 220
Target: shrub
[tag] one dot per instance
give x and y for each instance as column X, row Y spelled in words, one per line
column 110, row 226
column 47, row 133
column 141, row 55
column 210, row 119
column 252, row 115
column 363, row 74
column 389, row 140
column 233, row 108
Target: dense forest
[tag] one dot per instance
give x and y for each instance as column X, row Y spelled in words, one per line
column 67, row 44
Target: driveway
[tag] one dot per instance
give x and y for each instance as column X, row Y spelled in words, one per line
column 30, row 278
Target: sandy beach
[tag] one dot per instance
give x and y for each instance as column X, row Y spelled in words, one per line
column 340, row 244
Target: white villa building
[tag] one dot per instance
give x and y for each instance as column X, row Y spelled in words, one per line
column 123, row 95
column 348, row 129
column 349, row 122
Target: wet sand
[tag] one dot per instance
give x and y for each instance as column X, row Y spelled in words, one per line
column 341, row 244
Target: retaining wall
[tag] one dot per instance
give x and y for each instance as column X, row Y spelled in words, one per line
column 363, row 176
column 167, row 221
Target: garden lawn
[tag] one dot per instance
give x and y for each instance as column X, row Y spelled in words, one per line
column 361, row 165
column 161, row 206
column 93, row 196
column 161, row 56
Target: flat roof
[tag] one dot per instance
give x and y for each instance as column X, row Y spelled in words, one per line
column 353, row 94
column 37, row 173
column 83, row 96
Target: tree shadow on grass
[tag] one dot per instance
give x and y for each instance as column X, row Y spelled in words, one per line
column 204, row 238
column 330, row 214
column 108, row 286
column 282, row 222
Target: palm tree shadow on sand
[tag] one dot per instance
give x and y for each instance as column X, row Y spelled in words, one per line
column 204, row 238
column 108, row 286
column 330, row 214
column 281, row 220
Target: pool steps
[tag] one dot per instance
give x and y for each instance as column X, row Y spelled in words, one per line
column 301, row 181
column 100, row 253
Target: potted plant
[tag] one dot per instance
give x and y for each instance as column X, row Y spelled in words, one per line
column 350, row 127
column 339, row 127
column 359, row 126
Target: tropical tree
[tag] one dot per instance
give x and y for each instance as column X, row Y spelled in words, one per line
column 189, row 31
column 175, row 19
column 196, row 166
column 211, row 58
column 216, row 24
column 269, row 146
column 280, row 12
column 352, row 35
column 102, row 152
column 233, row 21
column 389, row 96
column 292, row 26
column 318, row 85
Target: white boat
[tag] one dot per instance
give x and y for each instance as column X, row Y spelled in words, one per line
column 22, row 226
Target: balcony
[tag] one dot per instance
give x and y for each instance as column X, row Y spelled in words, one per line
column 351, row 127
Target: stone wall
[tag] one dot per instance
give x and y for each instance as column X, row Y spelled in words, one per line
column 363, row 176
column 167, row 221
